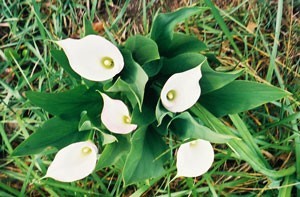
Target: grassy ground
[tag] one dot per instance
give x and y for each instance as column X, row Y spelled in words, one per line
column 263, row 47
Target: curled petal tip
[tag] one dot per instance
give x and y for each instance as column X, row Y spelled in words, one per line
column 194, row 158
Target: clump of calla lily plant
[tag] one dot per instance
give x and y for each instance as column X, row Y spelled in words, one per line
column 131, row 100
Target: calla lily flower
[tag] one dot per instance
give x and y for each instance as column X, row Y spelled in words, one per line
column 182, row 90
column 93, row 57
column 73, row 162
column 115, row 116
column 194, row 158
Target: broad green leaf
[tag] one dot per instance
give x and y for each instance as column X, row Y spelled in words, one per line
column 239, row 146
column 210, row 81
column 55, row 132
column 163, row 127
column 184, row 126
column 183, row 43
column 143, row 49
column 145, row 116
column 164, row 24
column 153, row 68
column 146, row 158
column 212, row 58
column 70, row 103
column 240, row 96
column 113, row 152
column 182, row 62
column 124, row 87
column 61, row 58
column 133, row 80
column 161, row 112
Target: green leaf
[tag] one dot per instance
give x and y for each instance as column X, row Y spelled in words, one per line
column 145, row 116
column 153, row 68
column 183, row 43
column 146, row 158
column 163, row 26
column 161, row 112
column 163, row 127
column 11, row 55
column 55, row 132
column 239, row 146
column 85, row 124
column 105, row 138
column 113, row 153
column 143, row 49
column 124, row 87
column 186, row 127
column 210, row 81
column 132, row 82
column 240, row 96
column 62, row 60
column 88, row 26
column 182, row 62
column 70, row 103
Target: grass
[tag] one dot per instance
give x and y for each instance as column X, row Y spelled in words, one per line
column 247, row 34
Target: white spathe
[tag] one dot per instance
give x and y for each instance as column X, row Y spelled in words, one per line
column 194, row 158
column 182, row 90
column 73, row 162
column 93, row 57
column 115, row 116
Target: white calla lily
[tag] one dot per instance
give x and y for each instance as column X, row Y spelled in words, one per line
column 115, row 116
column 194, row 158
column 93, row 57
column 73, row 162
column 182, row 90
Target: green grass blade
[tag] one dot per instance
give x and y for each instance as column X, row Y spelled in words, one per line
column 7, row 188
column 247, row 137
column 239, row 146
column 276, row 41
column 286, row 191
column 223, row 26
column 27, row 179
column 5, row 139
column 121, row 14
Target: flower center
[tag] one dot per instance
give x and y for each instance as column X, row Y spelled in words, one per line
column 193, row 143
column 107, row 62
column 171, row 95
column 86, row 150
column 126, row 119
